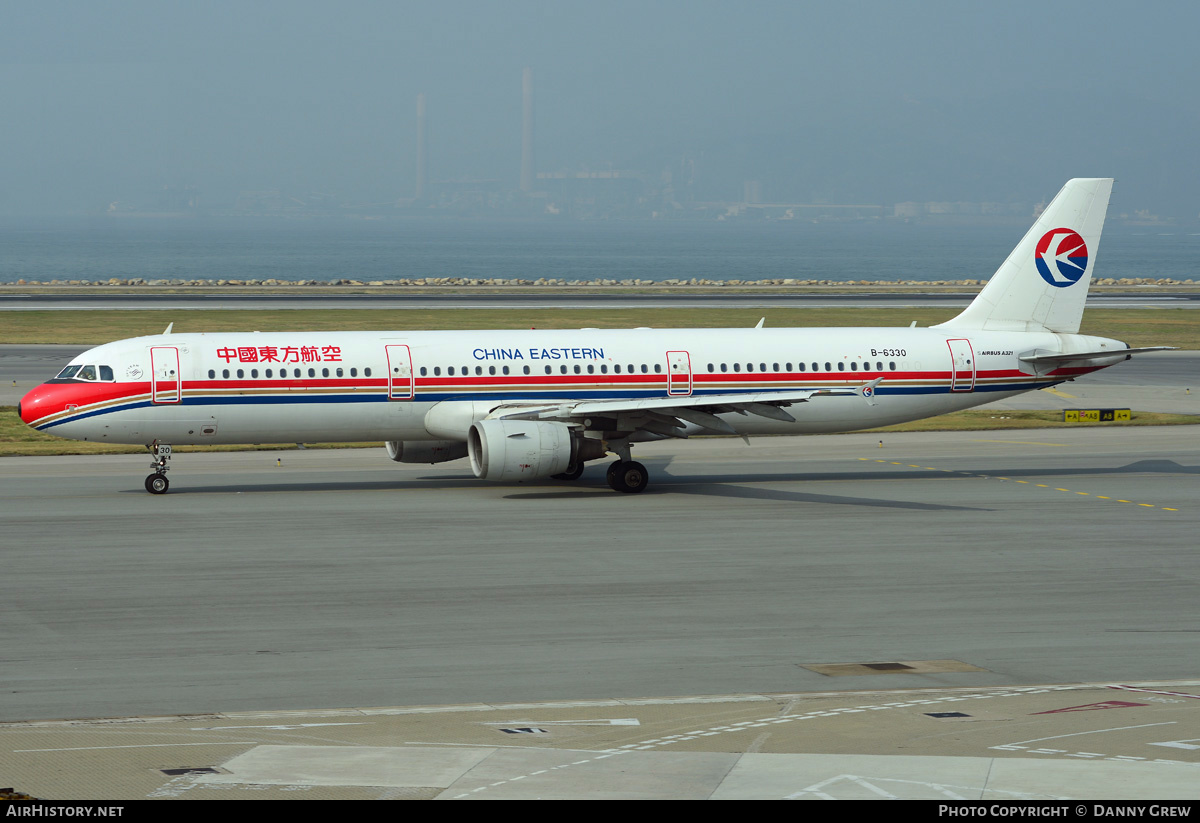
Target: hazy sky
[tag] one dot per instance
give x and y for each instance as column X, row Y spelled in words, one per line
column 834, row 101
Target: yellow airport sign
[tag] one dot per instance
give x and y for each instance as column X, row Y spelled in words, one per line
column 1095, row 415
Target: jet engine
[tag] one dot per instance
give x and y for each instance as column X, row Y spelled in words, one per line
column 519, row 449
column 425, row 451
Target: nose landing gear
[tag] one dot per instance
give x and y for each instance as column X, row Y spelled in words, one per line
column 157, row 483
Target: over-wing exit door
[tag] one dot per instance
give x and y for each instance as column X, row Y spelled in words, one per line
column 400, row 372
column 679, row 373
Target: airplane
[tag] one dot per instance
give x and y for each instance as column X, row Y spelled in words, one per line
column 543, row 403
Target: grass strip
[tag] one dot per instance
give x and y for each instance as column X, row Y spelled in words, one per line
column 1137, row 327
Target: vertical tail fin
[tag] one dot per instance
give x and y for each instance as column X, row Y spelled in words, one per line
column 1043, row 284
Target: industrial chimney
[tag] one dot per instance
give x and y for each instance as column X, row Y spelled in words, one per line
column 422, row 143
column 528, row 174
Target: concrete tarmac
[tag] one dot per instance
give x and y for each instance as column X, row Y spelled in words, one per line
column 942, row 572
column 1117, row 742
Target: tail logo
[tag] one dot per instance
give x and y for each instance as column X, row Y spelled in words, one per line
column 1061, row 257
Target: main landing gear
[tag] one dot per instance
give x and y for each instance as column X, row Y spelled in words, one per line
column 157, row 483
column 628, row 476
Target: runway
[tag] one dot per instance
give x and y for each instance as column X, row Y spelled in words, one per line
column 984, row 562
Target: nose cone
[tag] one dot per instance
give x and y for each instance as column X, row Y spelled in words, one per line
column 41, row 402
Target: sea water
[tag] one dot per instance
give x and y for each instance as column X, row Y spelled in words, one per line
column 44, row 249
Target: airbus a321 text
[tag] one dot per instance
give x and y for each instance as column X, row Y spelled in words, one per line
column 542, row 403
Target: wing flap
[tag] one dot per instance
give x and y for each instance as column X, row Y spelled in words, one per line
column 666, row 415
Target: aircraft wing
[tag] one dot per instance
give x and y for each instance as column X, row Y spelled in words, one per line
column 668, row 415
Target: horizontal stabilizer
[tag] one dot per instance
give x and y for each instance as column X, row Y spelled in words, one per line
column 1034, row 357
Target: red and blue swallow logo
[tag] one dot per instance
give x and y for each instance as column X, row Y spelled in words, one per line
column 1061, row 257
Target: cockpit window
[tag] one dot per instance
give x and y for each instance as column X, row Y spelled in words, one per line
column 86, row 373
column 106, row 373
column 68, row 372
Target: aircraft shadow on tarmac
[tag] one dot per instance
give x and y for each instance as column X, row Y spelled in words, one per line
column 731, row 486
column 728, row 486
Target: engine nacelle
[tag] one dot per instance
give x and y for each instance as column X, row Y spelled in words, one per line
column 425, row 451
column 451, row 419
column 519, row 449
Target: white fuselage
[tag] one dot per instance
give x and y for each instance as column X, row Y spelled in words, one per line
column 363, row 386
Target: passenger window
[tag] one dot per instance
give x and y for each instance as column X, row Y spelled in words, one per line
column 763, row 367
column 367, row 371
column 422, row 371
column 254, row 372
column 225, row 374
column 354, row 372
column 437, row 371
column 270, row 373
column 617, row 368
column 774, row 367
column 841, row 366
column 241, row 373
column 212, row 373
column 723, row 367
column 491, row 369
column 563, row 369
column 525, row 369
column 504, row 369
column 800, row 366
column 853, row 366
column 312, row 372
column 549, row 370
column 644, row 369
column 737, row 367
column 603, row 368
column 892, row 366
column 658, row 368
column 479, row 370
column 339, row 373
column 591, row 369
column 816, row 367
column 879, row 367
column 828, row 367
column 577, row 369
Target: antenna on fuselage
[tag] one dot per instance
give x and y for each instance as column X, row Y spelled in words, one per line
column 169, row 327
column 760, row 323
